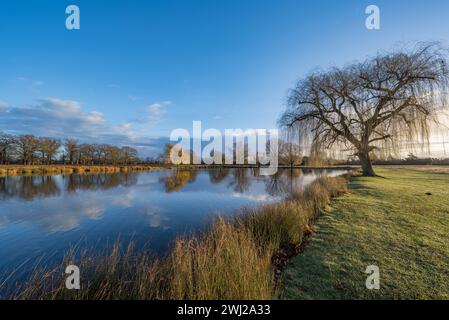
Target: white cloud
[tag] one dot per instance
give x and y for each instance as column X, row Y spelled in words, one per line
column 55, row 216
column 157, row 111
column 134, row 98
column 55, row 117
column 63, row 106
column 153, row 108
column 33, row 82
column 156, row 217
column 3, row 105
column 60, row 118
column 30, row 84
column 252, row 197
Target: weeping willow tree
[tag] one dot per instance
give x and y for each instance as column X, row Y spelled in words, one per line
column 389, row 101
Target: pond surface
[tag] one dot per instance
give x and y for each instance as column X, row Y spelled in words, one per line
column 46, row 215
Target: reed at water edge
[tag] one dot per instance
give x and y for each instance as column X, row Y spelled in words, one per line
column 235, row 258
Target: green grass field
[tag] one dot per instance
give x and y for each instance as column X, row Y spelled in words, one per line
column 387, row 221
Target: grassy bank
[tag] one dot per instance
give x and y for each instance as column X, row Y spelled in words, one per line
column 12, row 170
column 238, row 258
column 399, row 222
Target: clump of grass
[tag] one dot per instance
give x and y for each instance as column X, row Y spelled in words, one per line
column 11, row 172
column 276, row 225
column 78, row 170
column 114, row 274
column 234, row 259
column 283, row 224
column 26, row 171
column 48, row 170
column 319, row 194
column 225, row 263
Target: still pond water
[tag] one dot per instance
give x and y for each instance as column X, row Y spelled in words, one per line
column 43, row 216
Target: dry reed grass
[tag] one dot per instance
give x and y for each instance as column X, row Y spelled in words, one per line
column 231, row 260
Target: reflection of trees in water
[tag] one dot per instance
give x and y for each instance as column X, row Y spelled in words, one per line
column 178, row 179
column 218, row 175
column 240, row 179
column 102, row 181
column 284, row 182
column 28, row 187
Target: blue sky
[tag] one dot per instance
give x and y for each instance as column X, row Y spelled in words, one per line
column 136, row 70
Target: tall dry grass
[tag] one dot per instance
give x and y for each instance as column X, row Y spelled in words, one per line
column 119, row 273
column 283, row 224
column 224, row 263
column 234, row 259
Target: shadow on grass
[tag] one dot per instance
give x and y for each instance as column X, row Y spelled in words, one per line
column 358, row 185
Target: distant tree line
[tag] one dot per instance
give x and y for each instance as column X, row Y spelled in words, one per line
column 32, row 150
column 412, row 159
column 289, row 154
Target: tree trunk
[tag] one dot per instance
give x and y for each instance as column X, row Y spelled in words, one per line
column 367, row 166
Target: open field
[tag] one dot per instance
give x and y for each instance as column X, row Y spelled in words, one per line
column 399, row 222
column 440, row 169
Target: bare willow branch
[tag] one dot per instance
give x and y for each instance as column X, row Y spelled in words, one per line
column 388, row 100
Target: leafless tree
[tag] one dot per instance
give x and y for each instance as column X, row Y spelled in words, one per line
column 32, row 150
column 27, row 146
column 388, row 100
column 86, row 154
column 7, row 147
column 289, row 154
column 49, row 148
column 112, row 154
column 71, row 148
column 129, row 155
